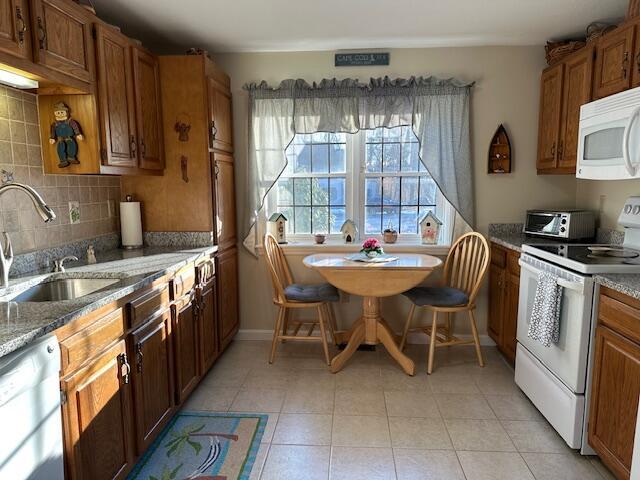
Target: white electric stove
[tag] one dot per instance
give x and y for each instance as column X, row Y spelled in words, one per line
column 557, row 378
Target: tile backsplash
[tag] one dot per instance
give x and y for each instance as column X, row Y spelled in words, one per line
column 21, row 155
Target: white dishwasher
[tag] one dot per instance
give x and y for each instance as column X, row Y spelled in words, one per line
column 31, row 443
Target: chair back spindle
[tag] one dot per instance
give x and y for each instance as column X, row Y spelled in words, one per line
column 467, row 264
column 278, row 268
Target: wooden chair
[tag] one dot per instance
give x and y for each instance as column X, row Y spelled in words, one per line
column 464, row 270
column 290, row 296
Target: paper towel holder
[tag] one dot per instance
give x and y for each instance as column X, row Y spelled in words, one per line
column 137, row 241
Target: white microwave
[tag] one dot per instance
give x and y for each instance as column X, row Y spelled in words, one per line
column 609, row 138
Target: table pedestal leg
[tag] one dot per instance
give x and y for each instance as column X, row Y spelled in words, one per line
column 371, row 329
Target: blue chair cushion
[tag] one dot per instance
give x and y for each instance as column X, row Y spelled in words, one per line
column 321, row 292
column 437, row 296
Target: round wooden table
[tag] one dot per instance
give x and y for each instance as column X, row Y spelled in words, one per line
column 372, row 281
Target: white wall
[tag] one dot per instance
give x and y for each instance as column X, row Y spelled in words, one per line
column 506, row 91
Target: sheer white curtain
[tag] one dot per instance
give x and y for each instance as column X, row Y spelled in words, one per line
column 437, row 110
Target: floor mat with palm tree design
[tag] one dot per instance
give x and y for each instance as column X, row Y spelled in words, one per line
column 203, row 446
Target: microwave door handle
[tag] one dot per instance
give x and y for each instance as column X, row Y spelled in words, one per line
column 632, row 169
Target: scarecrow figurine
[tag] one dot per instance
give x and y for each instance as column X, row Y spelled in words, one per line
column 65, row 131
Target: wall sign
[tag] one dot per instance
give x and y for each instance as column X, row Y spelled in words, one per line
column 361, row 59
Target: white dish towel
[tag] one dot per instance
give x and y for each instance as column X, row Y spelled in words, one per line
column 544, row 325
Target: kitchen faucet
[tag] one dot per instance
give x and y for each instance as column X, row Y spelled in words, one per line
column 45, row 212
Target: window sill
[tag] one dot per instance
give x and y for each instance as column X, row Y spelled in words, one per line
column 331, row 246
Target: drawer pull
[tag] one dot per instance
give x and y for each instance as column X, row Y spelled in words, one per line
column 139, row 357
column 125, row 368
column 42, row 34
column 21, row 24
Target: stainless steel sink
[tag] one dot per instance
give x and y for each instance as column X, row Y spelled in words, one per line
column 63, row 289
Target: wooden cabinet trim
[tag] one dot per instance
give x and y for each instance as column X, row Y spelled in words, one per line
column 148, row 305
column 183, row 282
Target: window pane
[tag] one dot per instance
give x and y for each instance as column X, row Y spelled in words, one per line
column 337, row 218
column 373, row 191
column 320, row 137
column 302, row 161
column 337, row 137
column 320, row 158
column 337, row 191
column 427, row 191
column 410, row 158
column 320, row 219
column 408, row 135
column 409, row 220
column 390, row 217
column 391, row 134
column 391, row 157
column 302, row 138
column 372, row 220
column 409, row 190
column 338, row 158
column 391, row 190
column 302, row 191
column 285, row 192
column 288, row 213
column 303, row 219
column 374, row 157
column 374, row 135
column 320, row 191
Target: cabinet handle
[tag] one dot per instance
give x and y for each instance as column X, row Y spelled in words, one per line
column 216, row 169
column 143, row 149
column 125, row 368
column 553, row 149
column 21, row 24
column 132, row 146
column 560, row 150
column 42, row 34
column 214, row 130
column 139, row 357
column 638, row 62
column 625, row 63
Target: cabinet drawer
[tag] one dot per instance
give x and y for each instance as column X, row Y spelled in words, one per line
column 206, row 271
column 619, row 317
column 91, row 341
column 148, row 304
column 512, row 263
column 183, row 282
column 498, row 256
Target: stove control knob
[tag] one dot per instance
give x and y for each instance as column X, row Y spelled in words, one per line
column 563, row 221
column 636, row 210
column 627, row 208
column 562, row 229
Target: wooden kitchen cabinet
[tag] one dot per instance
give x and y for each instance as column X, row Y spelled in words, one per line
column 185, row 340
column 207, row 315
column 504, row 285
column 614, row 61
column 62, row 38
column 227, row 298
column 635, row 64
column 224, row 200
column 615, row 385
column 220, row 119
column 15, row 28
column 550, row 116
column 153, row 379
column 97, row 419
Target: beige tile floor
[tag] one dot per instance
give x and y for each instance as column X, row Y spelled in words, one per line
column 371, row 421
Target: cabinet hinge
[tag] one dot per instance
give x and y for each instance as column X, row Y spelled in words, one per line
column 63, row 397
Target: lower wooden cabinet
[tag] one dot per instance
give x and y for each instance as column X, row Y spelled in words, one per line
column 504, row 287
column 208, row 326
column 97, row 417
column 616, row 382
column 227, row 280
column 153, row 384
column 185, row 341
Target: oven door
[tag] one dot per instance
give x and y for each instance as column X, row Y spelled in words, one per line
column 567, row 359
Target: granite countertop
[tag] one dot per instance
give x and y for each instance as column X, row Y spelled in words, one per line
column 510, row 235
column 23, row 322
column 627, row 283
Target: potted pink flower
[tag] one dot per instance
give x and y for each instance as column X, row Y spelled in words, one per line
column 371, row 248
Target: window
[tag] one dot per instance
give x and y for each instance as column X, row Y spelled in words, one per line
column 374, row 177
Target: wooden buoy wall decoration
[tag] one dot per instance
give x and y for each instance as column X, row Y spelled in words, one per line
column 500, row 156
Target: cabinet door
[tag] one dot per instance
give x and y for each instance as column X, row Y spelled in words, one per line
column 496, row 302
column 227, row 281
column 578, row 74
column 152, row 363
column 15, row 37
column 550, row 114
column 635, row 77
column 614, row 62
column 97, row 418
column 224, row 200
column 185, row 340
column 220, row 130
column 116, row 98
column 62, row 37
column 208, row 334
column 614, row 400
column 148, row 114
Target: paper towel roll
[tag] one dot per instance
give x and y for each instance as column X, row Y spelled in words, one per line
column 130, row 224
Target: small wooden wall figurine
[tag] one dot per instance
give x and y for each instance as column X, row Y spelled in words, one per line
column 500, row 156
column 183, row 131
column 65, row 131
column 430, row 228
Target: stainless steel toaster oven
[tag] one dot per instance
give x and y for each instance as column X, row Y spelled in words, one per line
column 560, row 224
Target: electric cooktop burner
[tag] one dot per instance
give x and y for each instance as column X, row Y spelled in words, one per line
column 594, row 254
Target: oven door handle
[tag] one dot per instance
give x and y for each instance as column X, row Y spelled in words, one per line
column 575, row 286
column 631, row 168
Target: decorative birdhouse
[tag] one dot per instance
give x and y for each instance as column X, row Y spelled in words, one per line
column 430, row 228
column 349, row 231
column 277, row 227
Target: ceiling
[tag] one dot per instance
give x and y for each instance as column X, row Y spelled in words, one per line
column 170, row 26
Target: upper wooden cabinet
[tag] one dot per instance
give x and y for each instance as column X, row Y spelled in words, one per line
column 565, row 87
column 15, row 32
column 62, row 38
column 220, row 130
column 614, row 61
